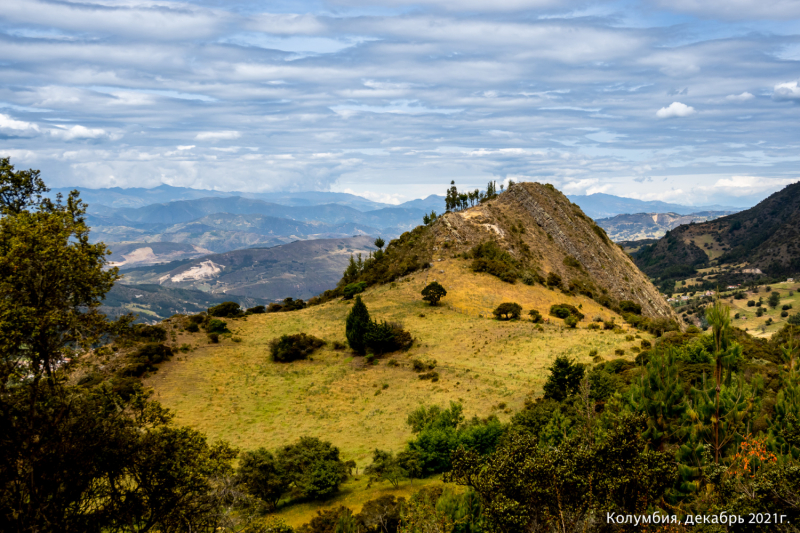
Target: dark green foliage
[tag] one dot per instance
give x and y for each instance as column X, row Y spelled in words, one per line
column 527, row 487
column 225, row 310
column 356, row 326
column 572, row 262
column 507, row 311
column 312, row 467
column 490, row 258
column 262, row 476
column 381, row 515
column 602, row 384
column 216, row 325
column 553, row 280
column 440, row 431
column 564, row 379
column 774, row 300
column 419, row 365
column 145, row 358
column 627, row 306
column 433, row 292
column 288, row 304
column 288, row 348
column 571, row 321
column 564, row 311
column 536, row 316
column 352, row 289
column 385, row 467
column 379, row 243
column 257, row 310
column 147, row 333
column 794, row 319
column 385, row 337
column 213, row 338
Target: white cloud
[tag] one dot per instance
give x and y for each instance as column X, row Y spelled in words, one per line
column 675, row 109
column 78, row 132
column 384, row 198
column 469, row 5
column 584, row 186
column 748, row 185
column 186, row 147
column 745, row 96
column 787, row 92
column 17, row 126
column 217, row 135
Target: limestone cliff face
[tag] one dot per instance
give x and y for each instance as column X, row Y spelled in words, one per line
column 546, row 233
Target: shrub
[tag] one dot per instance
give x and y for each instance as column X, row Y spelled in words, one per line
column 433, row 376
column 794, row 320
column 645, row 344
column 384, row 337
column 433, row 293
column 419, row 365
column 784, row 314
column 628, row 306
column 289, row 348
column 225, row 310
column 751, row 303
column 213, row 338
column 192, row 327
column 145, row 358
column 593, row 352
column 216, row 325
column 536, row 316
column 353, row 288
column 507, row 311
column 593, row 325
column 572, row 262
column 565, row 310
column 313, row 467
column 553, row 280
column 257, row 310
column 571, row 321
column 337, row 345
column 149, row 333
column 619, row 351
column 609, row 324
column 786, row 307
column 263, row 476
column 490, row 258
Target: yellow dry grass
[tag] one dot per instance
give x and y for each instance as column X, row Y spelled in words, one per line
column 232, row 391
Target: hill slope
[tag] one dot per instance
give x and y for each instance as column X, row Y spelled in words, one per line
column 300, row 269
column 766, row 237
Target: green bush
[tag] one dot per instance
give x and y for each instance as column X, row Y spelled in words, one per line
column 553, row 280
column 287, row 348
column 565, row 310
column 149, row 333
column 571, row 321
column 507, row 311
column 216, row 325
column 385, row 337
column 628, row 306
column 192, row 327
column 572, row 262
column 225, row 310
column 352, row 289
column 564, row 379
column 257, row 310
column 145, row 358
column 536, row 316
column 213, row 338
column 490, row 258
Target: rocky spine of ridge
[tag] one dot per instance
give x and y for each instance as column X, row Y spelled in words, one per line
column 555, row 232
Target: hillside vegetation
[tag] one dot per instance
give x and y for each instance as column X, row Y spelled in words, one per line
column 765, row 237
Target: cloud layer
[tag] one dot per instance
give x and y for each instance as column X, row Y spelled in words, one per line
column 395, row 100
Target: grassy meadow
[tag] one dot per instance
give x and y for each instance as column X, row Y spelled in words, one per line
column 233, row 391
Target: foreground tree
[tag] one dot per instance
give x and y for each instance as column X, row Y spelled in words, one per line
column 73, row 458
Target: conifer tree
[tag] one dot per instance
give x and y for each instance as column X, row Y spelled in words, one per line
column 659, row 395
column 356, row 326
column 784, row 430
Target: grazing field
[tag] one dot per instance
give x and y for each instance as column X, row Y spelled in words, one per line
column 233, row 391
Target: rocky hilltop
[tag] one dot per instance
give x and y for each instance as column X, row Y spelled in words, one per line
column 530, row 235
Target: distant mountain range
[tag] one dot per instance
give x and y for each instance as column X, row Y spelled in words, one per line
column 602, row 205
column 300, row 269
column 651, row 225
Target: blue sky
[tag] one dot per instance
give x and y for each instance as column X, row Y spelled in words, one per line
column 684, row 101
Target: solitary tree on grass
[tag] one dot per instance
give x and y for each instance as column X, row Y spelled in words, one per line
column 356, row 326
column 433, row 293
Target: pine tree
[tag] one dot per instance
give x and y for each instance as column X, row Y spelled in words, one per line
column 659, row 395
column 784, row 430
column 356, row 326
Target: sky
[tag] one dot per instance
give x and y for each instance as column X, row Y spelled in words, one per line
column 686, row 101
